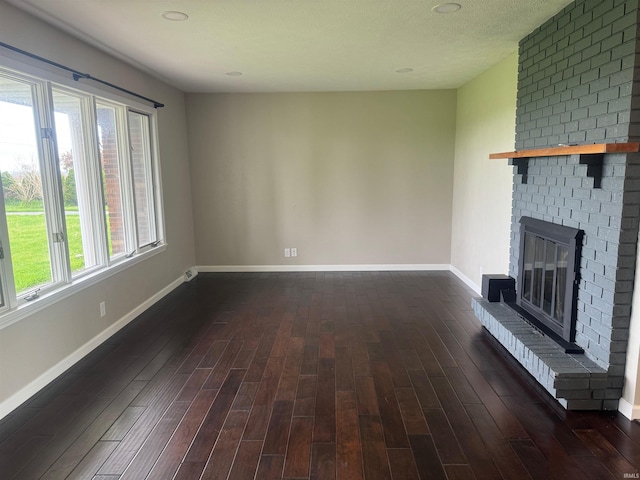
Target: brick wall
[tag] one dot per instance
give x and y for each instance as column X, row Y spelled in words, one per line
column 577, row 84
column 576, row 72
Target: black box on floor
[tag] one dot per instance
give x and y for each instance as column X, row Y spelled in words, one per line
column 492, row 285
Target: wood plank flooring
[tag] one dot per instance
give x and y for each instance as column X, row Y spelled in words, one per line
column 378, row 375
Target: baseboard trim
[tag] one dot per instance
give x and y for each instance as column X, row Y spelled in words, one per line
column 321, row 268
column 470, row 283
column 632, row 412
column 22, row 395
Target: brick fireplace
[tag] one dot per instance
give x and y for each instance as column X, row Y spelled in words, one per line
column 577, row 85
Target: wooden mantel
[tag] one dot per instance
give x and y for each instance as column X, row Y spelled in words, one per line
column 591, row 149
column 590, row 155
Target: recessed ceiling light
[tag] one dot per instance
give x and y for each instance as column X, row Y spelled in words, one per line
column 446, row 8
column 233, row 74
column 404, row 70
column 175, row 16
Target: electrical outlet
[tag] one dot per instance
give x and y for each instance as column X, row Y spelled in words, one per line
column 294, row 252
column 287, row 252
column 103, row 309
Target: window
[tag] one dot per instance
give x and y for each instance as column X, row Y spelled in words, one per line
column 79, row 170
column 139, row 127
column 111, row 160
column 79, row 185
column 30, row 223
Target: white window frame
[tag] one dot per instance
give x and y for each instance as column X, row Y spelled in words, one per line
column 51, row 190
column 65, row 283
column 92, row 176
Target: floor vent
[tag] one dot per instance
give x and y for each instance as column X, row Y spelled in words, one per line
column 190, row 274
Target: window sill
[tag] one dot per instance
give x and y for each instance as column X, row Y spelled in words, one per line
column 29, row 308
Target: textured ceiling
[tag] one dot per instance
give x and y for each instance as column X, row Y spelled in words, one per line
column 302, row 45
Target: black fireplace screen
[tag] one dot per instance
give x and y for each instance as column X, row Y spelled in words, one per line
column 549, row 274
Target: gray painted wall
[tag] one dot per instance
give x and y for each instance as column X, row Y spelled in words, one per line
column 347, row 178
column 575, row 76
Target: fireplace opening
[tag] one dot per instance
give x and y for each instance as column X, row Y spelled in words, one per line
column 548, row 278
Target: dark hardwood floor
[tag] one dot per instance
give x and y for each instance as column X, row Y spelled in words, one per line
column 308, row 375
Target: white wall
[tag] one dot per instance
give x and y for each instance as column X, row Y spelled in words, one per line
column 31, row 348
column 630, row 402
column 359, row 178
column 485, row 123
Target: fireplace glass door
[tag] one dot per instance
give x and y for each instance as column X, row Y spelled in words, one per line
column 548, row 274
column 545, row 276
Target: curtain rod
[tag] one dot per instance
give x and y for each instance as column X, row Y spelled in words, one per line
column 77, row 75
